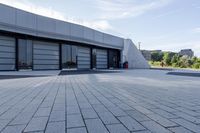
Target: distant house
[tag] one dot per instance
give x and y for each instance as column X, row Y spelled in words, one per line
column 187, row 52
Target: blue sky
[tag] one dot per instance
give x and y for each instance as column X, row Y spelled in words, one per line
column 157, row 24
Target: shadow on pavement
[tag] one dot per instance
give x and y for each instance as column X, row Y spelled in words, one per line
column 17, row 76
column 77, row 72
column 184, row 74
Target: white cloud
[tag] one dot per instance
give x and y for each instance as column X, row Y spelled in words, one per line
column 196, row 30
column 117, row 9
column 26, row 5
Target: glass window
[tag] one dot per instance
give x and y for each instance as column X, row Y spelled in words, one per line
column 113, row 59
column 74, row 57
column 25, row 54
column 69, row 56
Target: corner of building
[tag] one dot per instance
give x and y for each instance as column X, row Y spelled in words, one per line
column 133, row 56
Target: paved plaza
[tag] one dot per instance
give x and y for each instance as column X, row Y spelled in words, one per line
column 139, row 101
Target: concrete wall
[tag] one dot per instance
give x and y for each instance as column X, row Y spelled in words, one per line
column 15, row 20
column 133, row 56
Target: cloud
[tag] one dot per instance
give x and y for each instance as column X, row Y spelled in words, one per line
column 26, row 5
column 196, row 30
column 118, row 9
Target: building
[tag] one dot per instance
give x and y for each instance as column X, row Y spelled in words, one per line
column 30, row 41
column 187, row 52
column 146, row 54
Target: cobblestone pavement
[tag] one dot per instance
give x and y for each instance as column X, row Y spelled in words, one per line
column 140, row 101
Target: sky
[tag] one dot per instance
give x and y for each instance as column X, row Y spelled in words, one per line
column 169, row 25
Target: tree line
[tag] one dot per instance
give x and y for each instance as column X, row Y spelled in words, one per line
column 174, row 60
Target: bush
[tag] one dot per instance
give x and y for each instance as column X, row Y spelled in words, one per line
column 196, row 65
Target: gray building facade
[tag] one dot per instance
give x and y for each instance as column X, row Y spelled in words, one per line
column 30, row 41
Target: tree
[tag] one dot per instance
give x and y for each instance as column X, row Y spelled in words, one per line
column 156, row 56
column 175, row 59
column 167, row 58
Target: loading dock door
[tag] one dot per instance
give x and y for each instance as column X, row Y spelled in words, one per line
column 83, row 58
column 45, row 55
column 7, row 53
column 101, row 59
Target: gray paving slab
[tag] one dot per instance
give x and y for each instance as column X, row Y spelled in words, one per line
column 179, row 130
column 133, row 100
column 3, row 124
column 163, row 121
column 57, row 116
column 36, row 124
column 117, row 128
column 154, row 127
column 191, row 126
column 75, row 121
column 89, row 113
column 108, row 118
column 77, row 130
column 131, row 124
column 55, row 127
column 14, row 129
column 95, row 126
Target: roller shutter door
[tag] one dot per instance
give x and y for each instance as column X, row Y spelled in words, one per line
column 83, row 58
column 45, row 55
column 101, row 59
column 7, row 53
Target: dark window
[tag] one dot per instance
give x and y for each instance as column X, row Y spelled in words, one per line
column 113, row 59
column 94, row 54
column 69, row 56
column 25, row 54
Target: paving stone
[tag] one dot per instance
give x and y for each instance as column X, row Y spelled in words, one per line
column 43, row 112
column 187, row 124
column 138, row 115
column 77, row 130
column 161, row 120
column 59, row 107
column 124, row 106
column 14, row 129
column 73, row 110
column 108, row 118
column 3, row 124
column 95, row 126
column 74, row 121
column 144, row 131
column 55, row 127
column 131, row 124
column 179, row 130
column 185, row 116
column 143, row 110
column 89, row 113
column 154, row 127
column 164, row 113
column 10, row 114
column 117, row 128
column 36, row 124
column 132, row 93
column 100, row 108
column 117, row 111
column 57, row 116
column 22, row 118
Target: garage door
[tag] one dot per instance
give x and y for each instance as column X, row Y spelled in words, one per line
column 45, row 55
column 83, row 58
column 101, row 59
column 7, row 53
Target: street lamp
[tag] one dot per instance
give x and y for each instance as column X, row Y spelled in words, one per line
column 139, row 43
